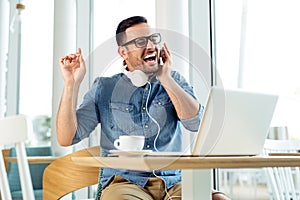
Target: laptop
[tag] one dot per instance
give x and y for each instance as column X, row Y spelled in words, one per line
column 234, row 123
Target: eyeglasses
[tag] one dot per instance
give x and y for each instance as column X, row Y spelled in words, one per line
column 140, row 42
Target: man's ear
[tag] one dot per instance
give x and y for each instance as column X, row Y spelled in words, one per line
column 122, row 52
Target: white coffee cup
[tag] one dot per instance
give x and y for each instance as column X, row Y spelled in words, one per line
column 130, row 143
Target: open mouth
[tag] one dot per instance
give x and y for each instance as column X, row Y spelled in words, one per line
column 150, row 59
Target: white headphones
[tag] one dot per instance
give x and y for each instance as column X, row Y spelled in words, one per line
column 137, row 77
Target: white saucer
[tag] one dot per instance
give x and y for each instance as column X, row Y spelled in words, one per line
column 130, row 153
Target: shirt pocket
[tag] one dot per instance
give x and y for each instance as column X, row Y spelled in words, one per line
column 123, row 118
column 162, row 109
column 162, row 101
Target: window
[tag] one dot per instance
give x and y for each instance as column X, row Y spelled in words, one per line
column 36, row 55
column 36, row 58
column 256, row 45
column 256, row 49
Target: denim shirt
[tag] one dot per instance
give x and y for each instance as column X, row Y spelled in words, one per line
column 123, row 109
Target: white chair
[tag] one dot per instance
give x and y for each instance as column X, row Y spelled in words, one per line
column 283, row 182
column 14, row 130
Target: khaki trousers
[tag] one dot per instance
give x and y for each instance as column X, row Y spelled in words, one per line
column 121, row 189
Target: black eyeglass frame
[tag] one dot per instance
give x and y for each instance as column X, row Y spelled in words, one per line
column 147, row 39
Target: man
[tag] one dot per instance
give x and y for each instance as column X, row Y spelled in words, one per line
column 153, row 109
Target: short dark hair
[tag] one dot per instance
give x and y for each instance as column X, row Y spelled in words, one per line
column 125, row 24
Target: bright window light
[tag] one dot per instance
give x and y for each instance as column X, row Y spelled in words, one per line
column 257, row 44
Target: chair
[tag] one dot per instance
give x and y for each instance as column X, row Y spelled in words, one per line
column 14, row 130
column 63, row 176
column 283, row 182
column 36, row 172
column 5, row 153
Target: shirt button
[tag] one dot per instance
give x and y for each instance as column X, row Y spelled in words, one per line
column 159, row 103
column 127, row 109
column 144, row 108
column 146, row 126
column 148, row 146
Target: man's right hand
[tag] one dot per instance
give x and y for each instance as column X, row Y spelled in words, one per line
column 73, row 68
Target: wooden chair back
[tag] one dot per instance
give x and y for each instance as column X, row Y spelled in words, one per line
column 63, row 176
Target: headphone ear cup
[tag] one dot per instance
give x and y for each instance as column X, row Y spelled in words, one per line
column 137, row 78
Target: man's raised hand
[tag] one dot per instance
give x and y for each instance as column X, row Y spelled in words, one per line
column 73, row 68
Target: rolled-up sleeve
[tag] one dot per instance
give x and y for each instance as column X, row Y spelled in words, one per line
column 192, row 124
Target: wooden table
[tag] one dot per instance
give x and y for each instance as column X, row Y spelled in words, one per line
column 196, row 177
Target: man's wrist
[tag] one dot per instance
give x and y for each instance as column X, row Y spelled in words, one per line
column 71, row 86
column 71, row 83
column 166, row 80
